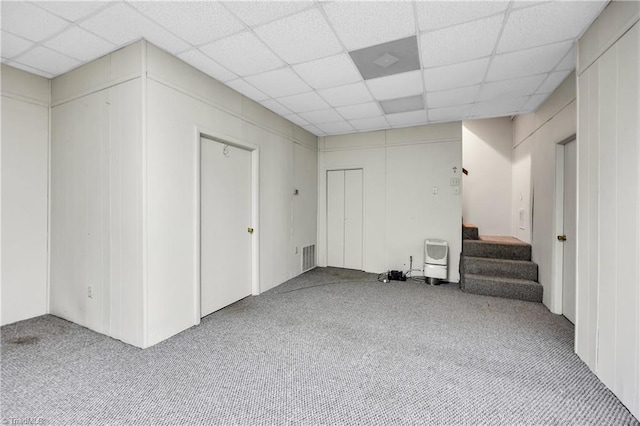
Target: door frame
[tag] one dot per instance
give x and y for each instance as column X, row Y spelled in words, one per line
column 202, row 132
column 558, row 226
column 326, row 210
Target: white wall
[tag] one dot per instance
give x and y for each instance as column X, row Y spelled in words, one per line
column 486, row 154
column 536, row 136
column 96, row 196
column 25, row 177
column 608, row 274
column 400, row 168
column 180, row 99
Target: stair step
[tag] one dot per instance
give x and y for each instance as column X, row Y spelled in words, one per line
column 469, row 231
column 510, row 288
column 497, row 248
column 521, row 269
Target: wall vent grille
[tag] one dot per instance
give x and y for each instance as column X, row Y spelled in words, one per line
column 308, row 257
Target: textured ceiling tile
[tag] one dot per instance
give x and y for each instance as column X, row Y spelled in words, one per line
column 328, row 72
column 533, row 61
column 120, row 24
column 300, row 38
column 453, row 97
column 362, row 24
column 80, row 44
column 296, row 119
column 373, row 123
column 440, row 14
column 396, row 86
column 255, row 13
column 276, row 107
column 72, row 10
column 280, row 82
column 304, row 102
column 534, row 102
column 553, row 81
column 321, row 116
column 460, row 43
column 407, row 118
column 451, row 113
column 347, row 95
column 193, row 20
column 30, row 69
column 458, row 75
column 569, row 61
column 199, row 60
column 354, row 112
column 243, row 54
column 246, row 89
column 498, row 107
column 30, row 22
column 13, row 45
column 547, row 23
column 313, row 129
column 511, row 88
column 335, row 128
column 47, row 60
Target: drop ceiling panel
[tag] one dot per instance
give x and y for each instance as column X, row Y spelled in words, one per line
column 80, row 44
column 349, row 94
column 304, row 102
column 534, row 102
column 328, row 72
column 296, row 119
column 396, row 86
column 527, row 62
column 30, row 69
column 47, row 60
column 397, row 105
column 498, row 108
column 280, row 82
column 276, row 107
column 460, row 43
column 13, row 45
column 254, row 13
column 450, row 113
column 72, row 10
column 366, row 124
column 379, row 22
column 207, row 65
column 121, row 24
column 458, row 75
column 246, row 89
column 553, row 81
column 313, row 129
column 243, row 54
column 453, row 97
column 322, row 116
column 389, row 58
column 546, row 23
column 336, row 128
column 569, row 61
column 192, row 19
column 354, row 112
column 407, row 118
column 29, row 21
column 511, row 88
column 439, row 14
column 300, row 38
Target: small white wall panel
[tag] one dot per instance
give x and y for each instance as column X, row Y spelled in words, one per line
column 353, row 213
column 335, row 218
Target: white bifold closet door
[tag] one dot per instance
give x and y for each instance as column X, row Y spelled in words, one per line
column 344, row 218
column 225, row 219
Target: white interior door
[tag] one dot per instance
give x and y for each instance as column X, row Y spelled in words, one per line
column 344, row 218
column 353, row 219
column 225, row 216
column 569, row 230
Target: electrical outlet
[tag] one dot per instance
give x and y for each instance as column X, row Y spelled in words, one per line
column 456, row 190
column 455, row 181
column 90, row 292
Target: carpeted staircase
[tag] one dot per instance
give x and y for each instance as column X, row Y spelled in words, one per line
column 498, row 266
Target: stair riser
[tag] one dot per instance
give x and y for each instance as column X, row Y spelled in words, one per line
column 530, row 293
column 470, row 233
column 498, row 268
column 496, row 250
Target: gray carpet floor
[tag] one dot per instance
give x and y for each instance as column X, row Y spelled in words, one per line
column 328, row 347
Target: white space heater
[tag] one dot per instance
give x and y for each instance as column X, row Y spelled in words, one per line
column 435, row 260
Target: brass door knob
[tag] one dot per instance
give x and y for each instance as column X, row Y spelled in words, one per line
column 250, row 230
column 562, row 238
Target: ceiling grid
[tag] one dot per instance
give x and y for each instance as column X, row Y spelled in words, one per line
column 476, row 59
